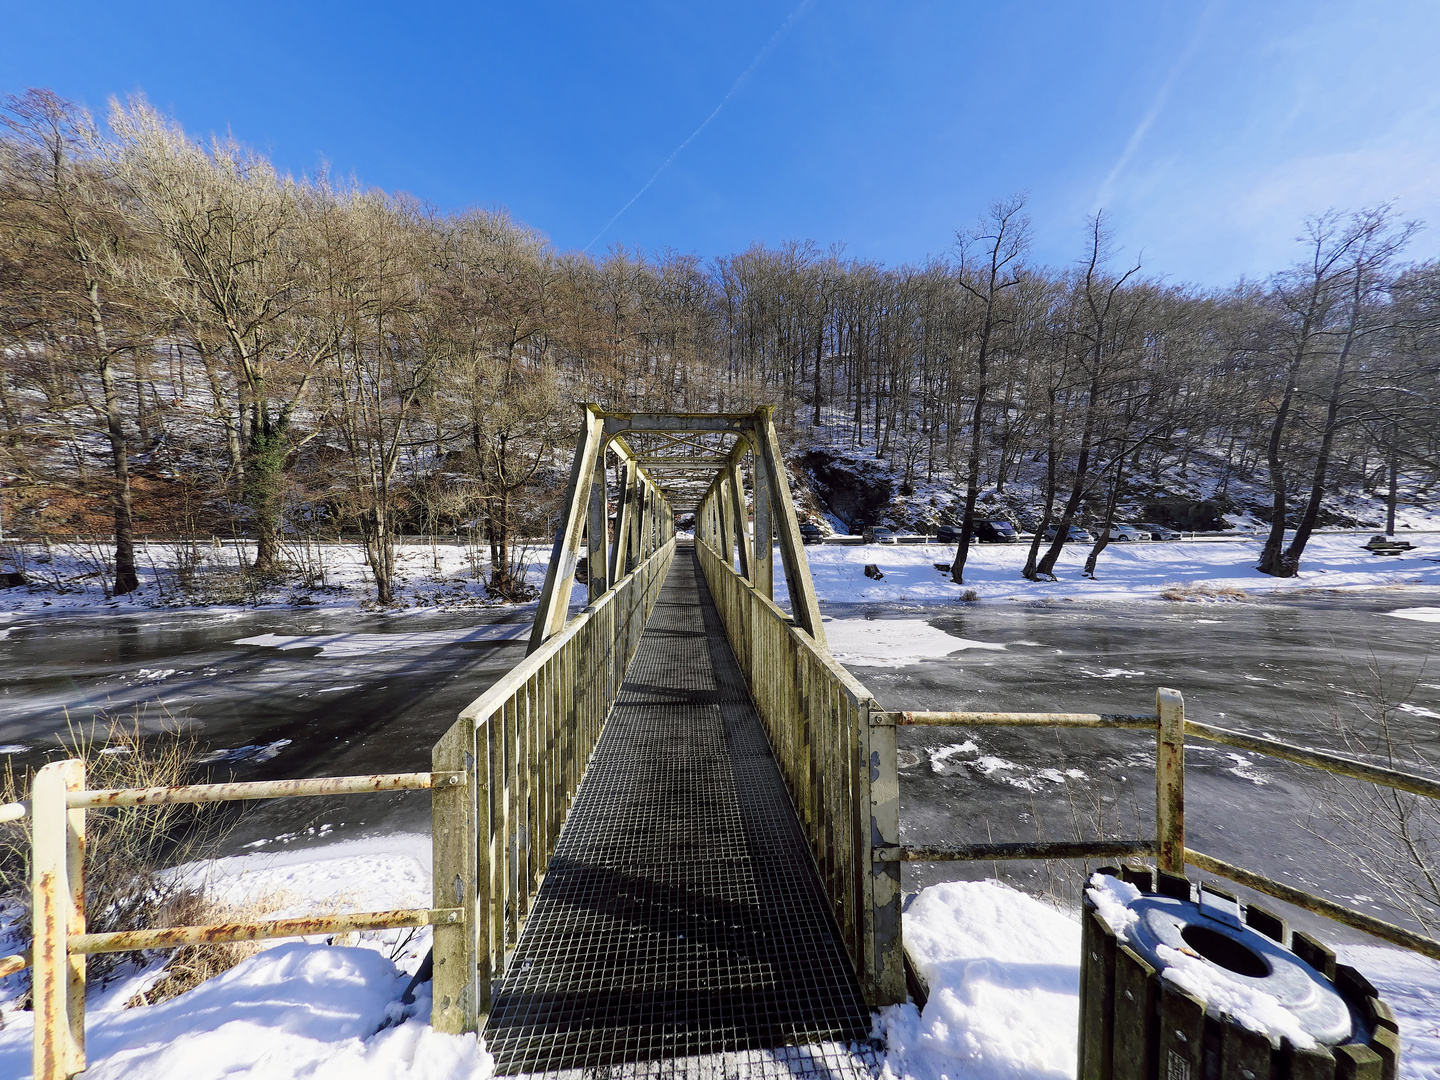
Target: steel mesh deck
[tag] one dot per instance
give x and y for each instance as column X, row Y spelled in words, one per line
column 681, row 928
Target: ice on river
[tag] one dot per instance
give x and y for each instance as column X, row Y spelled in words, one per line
column 1419, row 614
column 349, row 645
column 894, row 642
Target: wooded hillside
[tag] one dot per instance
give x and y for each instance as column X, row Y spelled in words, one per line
column 194, row 344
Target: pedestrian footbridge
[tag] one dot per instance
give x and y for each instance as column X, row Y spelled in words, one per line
column 666, row 842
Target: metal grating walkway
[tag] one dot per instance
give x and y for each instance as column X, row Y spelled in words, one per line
column 681, row 928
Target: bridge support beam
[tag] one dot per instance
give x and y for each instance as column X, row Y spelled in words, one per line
column 643, row 522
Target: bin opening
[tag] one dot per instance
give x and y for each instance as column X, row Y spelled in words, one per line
column 1221, row 949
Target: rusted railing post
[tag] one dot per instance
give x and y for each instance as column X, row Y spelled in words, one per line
column 455, row 1006
column 58, row 910
column 1170, row 780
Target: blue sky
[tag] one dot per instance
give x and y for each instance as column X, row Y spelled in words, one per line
column 1207, row 130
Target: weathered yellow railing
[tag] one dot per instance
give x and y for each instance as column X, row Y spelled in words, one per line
column 1169, row 848
column 838, row 763
column 522, row 748
column 503, row 778
column 57, row 809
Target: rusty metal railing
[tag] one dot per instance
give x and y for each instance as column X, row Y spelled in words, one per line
column 501, row 783
column 521, row 748
column 58, row 804
column 1168, row 847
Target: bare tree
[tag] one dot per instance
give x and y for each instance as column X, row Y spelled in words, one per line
column 232, row 236
column 56, row 182
column 1105, row 327
column 1003, row 238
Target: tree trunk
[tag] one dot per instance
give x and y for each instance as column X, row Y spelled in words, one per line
column 268, row 447
column 1394, row 488
column 1306, row 525
column 1103, row 540
column 1031, row 571
column 1327, row 439
column 127, row 580
column 972, row 481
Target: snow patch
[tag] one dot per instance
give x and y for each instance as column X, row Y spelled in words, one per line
column 1416, row 710
column 1003, row 975
column 291, row 1011
column 348, row 645
column 1112, row 899
column 997, row 768
column 1248, row 1006
column 253, row 752
column 895, row 642
column 939, row 758
column 1418, row 614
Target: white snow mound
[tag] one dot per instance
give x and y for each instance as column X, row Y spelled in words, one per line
column 1003, row 973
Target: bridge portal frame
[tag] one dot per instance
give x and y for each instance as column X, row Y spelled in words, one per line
column 678, row 464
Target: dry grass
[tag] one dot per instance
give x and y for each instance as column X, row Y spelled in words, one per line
column 191, row 965
column 1202, row 592
column 128, row 850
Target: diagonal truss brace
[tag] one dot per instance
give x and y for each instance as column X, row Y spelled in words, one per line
column 644, row 518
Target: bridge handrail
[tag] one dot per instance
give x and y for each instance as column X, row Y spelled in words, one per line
column 57, row 810
column 521, row 747
column 838, row 764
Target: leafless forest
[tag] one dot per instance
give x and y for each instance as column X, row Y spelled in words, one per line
column 195, row 345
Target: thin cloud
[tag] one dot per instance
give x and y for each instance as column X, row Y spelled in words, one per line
column 759, row 59
column 1157, row 105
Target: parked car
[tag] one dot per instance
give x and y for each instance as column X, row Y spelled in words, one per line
column 1075, row 534
column 996, row 531
column 991, row 531
column 811, row 534
column 1158, row 532
column 884, row 535
column 1125, row 533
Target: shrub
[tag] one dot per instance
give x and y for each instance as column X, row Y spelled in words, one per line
column 128, row 850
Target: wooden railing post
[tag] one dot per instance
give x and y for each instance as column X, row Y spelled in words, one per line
column 456, row 1005
column 1170, row 780
column 57, row 911
column 883, row 979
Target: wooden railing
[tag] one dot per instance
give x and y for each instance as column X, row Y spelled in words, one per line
column 826, row 728
column 501, row 783
column 838, row 763
column 521, row 748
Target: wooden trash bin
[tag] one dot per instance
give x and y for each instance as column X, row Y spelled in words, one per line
column 1137, row 1025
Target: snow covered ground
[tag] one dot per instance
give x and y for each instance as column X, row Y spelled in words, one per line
column 1128, row 571
column 447, row 576
column 1002, row 970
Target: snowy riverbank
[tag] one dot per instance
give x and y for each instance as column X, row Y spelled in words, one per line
column 450, row 577
column 1125, row 571
column 1002, row 970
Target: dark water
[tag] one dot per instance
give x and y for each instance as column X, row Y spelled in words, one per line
column 1307, row 671
column 257, row 712
column 1295, row 670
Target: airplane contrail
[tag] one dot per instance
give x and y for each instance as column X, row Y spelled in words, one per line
column 759, row 58
column 1156, row 105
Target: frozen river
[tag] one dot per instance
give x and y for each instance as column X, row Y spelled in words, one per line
column 285, row 693
column 1308, row 671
